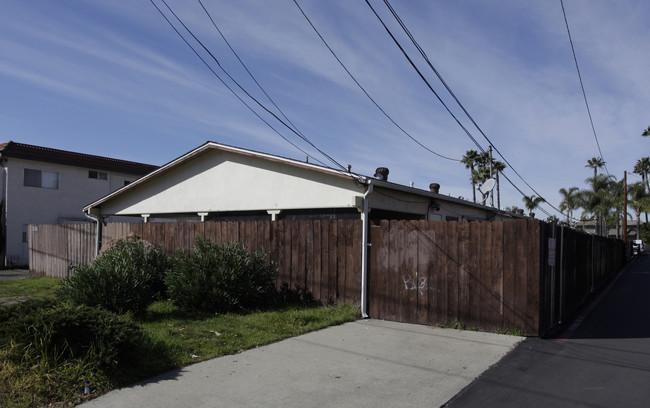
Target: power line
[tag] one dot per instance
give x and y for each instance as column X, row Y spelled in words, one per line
column 424, row 79
column 584, row 94
column 248, row 94
column 426, row 58
column 226, row 85
column 246, row 68
column 364, row 90
column 243, row 89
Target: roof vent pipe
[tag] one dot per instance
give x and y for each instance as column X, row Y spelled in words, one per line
column 381, row 173
column 434, row 188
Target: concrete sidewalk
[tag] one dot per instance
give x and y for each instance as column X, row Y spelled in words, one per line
column 7, row 274
column 367, row 363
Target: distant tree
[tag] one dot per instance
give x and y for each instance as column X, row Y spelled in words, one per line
column 570, row 201
column 646, row 132
column 642, row 168
column 553, row 220
column 616, row 189
column 532, row 202
column 639, row 201
column 469, row 160
column 512, row 208
column 595, row 163
column 598, row 201
column 498, row 167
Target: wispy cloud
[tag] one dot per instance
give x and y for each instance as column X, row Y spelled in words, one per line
column 509, row 62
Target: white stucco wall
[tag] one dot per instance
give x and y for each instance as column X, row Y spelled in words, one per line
column 219, row 181
column 35, row 205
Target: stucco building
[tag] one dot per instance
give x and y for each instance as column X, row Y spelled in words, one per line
column 40, row 185
column 219, row 182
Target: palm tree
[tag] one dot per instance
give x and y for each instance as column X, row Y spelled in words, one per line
column 598, row 201
column 616, row 189
column 553, row 220
column 639, row 200
column 570, row 201
column 469, row 160
column 498, row 167
column 532, row 202
column 642, row 168
column 512, row 209
column 646, row 132
column 595, row 163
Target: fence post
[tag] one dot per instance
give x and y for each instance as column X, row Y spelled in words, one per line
column 561, row 274
column 553, row 281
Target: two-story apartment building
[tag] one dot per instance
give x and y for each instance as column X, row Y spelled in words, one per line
column 40, row 185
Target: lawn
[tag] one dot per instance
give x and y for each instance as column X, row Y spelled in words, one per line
column 15, row 290
column 185, row 338
column 199, row 337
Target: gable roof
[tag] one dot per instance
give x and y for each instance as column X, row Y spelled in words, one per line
column 210, row 146
column 355, row 177
column 46, row 154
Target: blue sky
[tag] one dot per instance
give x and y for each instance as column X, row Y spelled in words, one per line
column 113, row 79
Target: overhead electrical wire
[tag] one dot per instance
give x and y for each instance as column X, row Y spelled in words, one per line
column 248, row 94
column 237, row 83
column 426, row 58
column 246, row 67
column 584, row 94
column 478, row 145
column 364, row 90
column 225, row 84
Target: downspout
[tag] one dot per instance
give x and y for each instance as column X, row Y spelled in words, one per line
column 365, row 215
column 98, row 231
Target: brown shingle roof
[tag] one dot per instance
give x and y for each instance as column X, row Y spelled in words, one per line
column 46, row 154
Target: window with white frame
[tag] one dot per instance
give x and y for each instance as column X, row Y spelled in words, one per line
column 41, row 178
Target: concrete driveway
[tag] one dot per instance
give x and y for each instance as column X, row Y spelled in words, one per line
column 14, row 274
column 367, row 363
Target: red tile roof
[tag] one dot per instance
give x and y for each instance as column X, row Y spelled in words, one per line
column 46, row 154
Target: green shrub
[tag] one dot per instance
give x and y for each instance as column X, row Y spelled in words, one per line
column 128, row 276
column 219, row 278
column 300, row 296
column 52, row 334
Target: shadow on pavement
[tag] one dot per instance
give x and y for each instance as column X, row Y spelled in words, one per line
column 624, row 311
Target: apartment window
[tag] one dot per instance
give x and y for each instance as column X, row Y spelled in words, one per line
column 41, row 178
column 99, row 175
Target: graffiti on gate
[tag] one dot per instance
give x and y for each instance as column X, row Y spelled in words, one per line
column 419, row 283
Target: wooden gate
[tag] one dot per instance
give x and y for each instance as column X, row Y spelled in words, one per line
column 482, row 275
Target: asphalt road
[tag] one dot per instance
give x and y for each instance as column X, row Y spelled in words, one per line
column 602, row 360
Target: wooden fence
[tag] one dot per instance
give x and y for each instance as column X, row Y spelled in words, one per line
column 324, row 256
column 485, row 275
column 482, row 275
column 55, row 249
column 579, row 265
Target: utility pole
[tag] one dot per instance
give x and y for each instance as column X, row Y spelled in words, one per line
column 625, row 206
